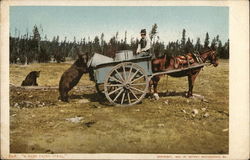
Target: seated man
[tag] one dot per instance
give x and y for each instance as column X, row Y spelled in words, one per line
column 144, row 45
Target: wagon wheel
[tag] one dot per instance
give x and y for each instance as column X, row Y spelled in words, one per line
column 126, row 84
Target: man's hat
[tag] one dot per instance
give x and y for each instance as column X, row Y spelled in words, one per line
column 143, row 31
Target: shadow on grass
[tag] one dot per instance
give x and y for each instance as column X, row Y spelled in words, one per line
column 92, row 97
column 101, row 99
column 173, row 94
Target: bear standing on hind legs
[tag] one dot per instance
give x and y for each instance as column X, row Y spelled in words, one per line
column 31, row 78
column 72, row 76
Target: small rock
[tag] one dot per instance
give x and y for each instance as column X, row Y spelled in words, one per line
column 166, row 102
column 195, row 111
column 159, row 107
column 188, row 101
column 225, row 130
column 30, row 96
column 18, row 92
column 183, row 111
column 206, row 114
column 161, row 125
column 33, row 115
column 74, row 120
column 137, row 110
column 61, row 110
column 204, row 100
column 16, row 104
column 13, row 115
column 203, row 109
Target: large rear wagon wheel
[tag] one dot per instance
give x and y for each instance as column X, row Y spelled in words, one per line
column 126, row 84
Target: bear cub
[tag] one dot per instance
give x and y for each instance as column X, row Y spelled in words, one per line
column 31, row 79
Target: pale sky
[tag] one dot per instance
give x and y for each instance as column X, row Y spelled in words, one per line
column 89, row 21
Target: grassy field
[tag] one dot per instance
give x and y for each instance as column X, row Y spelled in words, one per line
column 38, row 121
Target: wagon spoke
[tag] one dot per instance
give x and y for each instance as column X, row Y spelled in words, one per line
column 133, row 94
column 123, row 95
column 119, row 75
column 138, row 84
column 130, row 70
column 118, row 95
column 129, row 100
column 136, row 89
column 124, row 72
column 114, row 85
column 115, row 90
column 116, row 80
column 137, row 79
column 134, row 74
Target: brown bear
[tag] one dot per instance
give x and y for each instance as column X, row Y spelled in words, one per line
column 31, row 78
column 71, row 77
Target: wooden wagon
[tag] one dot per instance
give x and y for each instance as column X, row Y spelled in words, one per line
column 125, row 80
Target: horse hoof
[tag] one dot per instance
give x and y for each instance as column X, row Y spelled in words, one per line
column 156, row 96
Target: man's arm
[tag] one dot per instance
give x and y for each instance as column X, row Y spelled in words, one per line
column 138, row 48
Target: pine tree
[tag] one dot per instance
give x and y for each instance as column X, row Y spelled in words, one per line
column 219, row 49
column 189, row 46
column 183, row 41
column 102, row 43
column 152, row 36
column 198, row 45
column 206, row 42
column 153, row 32
column 125, row 38
column 214, row 44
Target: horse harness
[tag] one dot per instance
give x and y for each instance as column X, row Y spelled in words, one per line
column 187, row 59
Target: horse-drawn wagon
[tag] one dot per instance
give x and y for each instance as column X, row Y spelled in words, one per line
column 125, row 79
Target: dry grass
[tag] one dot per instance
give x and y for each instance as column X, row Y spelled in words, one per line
column 150, row 127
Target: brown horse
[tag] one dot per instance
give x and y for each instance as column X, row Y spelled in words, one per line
column 164, row 64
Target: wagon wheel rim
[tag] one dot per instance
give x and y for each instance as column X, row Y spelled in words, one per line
column 126, row 84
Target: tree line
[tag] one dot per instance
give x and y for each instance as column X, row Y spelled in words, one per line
column 27, row 48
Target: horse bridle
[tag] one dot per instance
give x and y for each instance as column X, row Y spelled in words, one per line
column 212, row 57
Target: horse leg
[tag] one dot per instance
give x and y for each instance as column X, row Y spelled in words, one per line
column 190, row 86
column 155, row 84
column 150, row 88
column 191, row 79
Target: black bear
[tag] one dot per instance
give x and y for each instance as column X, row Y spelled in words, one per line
column 71, row 77
column 31, row 78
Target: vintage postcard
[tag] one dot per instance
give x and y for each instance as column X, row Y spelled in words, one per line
column 124, row 79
